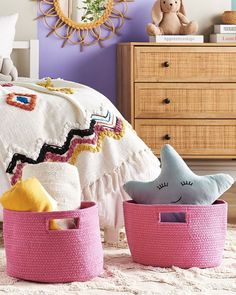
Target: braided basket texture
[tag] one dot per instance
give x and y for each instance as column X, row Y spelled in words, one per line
column 197, row 242
column 229, row 17
column 35, row 253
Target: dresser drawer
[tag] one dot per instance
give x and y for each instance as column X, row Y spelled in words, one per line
column 182, row 100
column 191, row 138
column 196, row 64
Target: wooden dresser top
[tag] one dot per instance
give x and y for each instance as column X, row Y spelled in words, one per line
column 178, row 44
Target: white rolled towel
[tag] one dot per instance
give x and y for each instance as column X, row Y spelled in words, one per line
column 61, row 181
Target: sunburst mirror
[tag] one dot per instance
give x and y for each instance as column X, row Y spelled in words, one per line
column 84, row 22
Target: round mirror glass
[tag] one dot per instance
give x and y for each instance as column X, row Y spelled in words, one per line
column 83, row 11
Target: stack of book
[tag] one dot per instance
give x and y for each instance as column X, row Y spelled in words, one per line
column 224, row 34
column 177, row 39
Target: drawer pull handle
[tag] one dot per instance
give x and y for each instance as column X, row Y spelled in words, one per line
column 166, row 64
column 167, row 101
column 167, row 137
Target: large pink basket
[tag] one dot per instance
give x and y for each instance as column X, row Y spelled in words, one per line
column 35, row 253
column 196, row 242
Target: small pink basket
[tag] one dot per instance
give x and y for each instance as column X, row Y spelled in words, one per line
column 198, row 241
column 36, row 253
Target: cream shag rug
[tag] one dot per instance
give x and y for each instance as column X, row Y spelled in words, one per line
column 122, row 276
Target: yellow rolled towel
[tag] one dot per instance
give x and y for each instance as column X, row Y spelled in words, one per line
column 29, row 195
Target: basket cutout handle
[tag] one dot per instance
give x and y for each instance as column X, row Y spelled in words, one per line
column 63, row 222
column 173, row 216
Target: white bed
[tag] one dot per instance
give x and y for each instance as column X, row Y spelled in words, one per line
column 107, row 153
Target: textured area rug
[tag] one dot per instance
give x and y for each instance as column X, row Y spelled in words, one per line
column 122, row 276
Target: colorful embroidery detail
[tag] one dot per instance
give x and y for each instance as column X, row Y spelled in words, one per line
column 7, row 85
column 49, row 85
column 22, row 101
column 77, row 141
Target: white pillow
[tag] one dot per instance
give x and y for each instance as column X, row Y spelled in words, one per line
column 7, row 34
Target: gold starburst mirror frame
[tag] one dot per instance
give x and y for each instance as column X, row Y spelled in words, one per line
column 84, row 22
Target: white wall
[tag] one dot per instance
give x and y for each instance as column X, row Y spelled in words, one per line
column 206, row 12
column 26, row 26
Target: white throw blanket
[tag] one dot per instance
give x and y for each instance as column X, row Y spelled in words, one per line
column 84, row 129
column 61, row 181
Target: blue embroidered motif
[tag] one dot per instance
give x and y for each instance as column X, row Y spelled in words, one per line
column 22, row 99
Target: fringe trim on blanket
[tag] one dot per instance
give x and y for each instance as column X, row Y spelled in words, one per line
column 108, row 190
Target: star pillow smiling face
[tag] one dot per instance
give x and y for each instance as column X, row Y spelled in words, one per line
column 177, row 184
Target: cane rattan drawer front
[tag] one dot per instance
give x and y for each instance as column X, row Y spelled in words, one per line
column 177, row 64
column 181, row 94
column 192, row 138
column 185, row 100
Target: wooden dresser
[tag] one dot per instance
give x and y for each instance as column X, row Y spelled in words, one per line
column 184, row 95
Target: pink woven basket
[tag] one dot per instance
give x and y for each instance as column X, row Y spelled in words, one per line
column 198, row 241
column 35, row 253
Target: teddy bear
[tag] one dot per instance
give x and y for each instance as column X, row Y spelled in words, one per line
column 169, row 18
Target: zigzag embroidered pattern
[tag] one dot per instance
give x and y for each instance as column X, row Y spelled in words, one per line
column 77, row 140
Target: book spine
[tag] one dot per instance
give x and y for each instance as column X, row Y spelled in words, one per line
column 177, row 39
column 225, row 29
column 223, row 38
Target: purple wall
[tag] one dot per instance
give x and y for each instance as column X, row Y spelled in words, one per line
column 94, row 66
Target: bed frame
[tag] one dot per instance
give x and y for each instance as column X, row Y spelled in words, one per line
column 28, row 66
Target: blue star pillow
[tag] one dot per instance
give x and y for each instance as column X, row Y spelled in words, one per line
column 177, row 184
